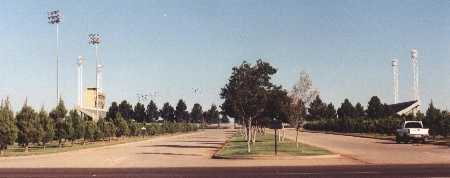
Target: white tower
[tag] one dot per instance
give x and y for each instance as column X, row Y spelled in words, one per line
column 415, row 64
column 395, row 72
column 80, row 81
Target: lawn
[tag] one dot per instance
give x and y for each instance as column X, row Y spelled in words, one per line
column 15, row 150
column 264, row 146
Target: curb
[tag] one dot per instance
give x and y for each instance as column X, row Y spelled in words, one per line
column 273, row 157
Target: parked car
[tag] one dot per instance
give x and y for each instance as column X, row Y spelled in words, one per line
column 411, row 131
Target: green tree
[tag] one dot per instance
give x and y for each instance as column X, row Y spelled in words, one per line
column 181, row 114
column 8, row 128
column 167, row 112
column 126, row 110
column 375, row 109
column 47, row 125
column 89, row 133
column 317, row 109
column 151, row 113
column 112, row 111
column 139, row 112
column 197, row 113
column 69, row 130
column 359, row 110
column 433, row 119
column 28, row 125
column 346, row 110
column 330, row 111
column 78, row 125
column 58, row 114
column 122, row 126
column 213, row 115
column 246, row 92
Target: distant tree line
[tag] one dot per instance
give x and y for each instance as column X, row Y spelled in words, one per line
column 151, row 113
column 39, row 128
column 377, row 118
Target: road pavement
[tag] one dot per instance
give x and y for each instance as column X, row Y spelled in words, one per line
column 235, row 172
column 185, row 150
column 375, row 151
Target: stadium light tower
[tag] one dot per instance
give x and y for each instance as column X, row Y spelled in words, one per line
column 395, row 72
column 94, row 40
column 55, row 17
column 415, row 64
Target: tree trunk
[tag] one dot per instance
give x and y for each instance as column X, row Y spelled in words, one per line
column 249, row 126
column 296, row 138
column 254, row 135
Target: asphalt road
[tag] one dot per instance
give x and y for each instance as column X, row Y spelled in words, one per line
column 375, row 151
column 247, row 172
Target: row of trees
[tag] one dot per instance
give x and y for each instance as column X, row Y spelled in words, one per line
column 253, row 100
column 29, row 126
column 438, row 121
column 375, row 109
column 168, row 113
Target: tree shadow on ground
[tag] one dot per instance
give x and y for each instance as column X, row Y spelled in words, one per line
column 169, row 154
column 182, row 146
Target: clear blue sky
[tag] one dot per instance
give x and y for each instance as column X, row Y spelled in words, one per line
column 171, row 47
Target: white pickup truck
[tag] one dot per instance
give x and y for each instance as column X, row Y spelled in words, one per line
column 411, row 130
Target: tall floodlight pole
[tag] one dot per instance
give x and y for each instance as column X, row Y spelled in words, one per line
column 80, row 81
column 415, row 64
column 55, row 17
column 395, row 72
column 94, row 40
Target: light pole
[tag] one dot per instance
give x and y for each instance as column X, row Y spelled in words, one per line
column 55, row 17
column 94, row 40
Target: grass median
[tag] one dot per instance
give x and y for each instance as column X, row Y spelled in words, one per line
column 264, row 146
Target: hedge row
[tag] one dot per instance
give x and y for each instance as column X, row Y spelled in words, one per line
column 356, row 125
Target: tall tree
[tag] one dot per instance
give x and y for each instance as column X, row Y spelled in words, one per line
column 112, row 111
column 375, row 109
column 359, row 110
column 139, row 112
column 180, row 111
column 8, row 128
column 89, row 133
column 433, row 119
column 317, row 108
column 346, row 110
column 245, row 94
column 197, row 113
column 47, row 125
column 122, row 126
column 126, row 110
column 167, row 112
column 152, row 113
column 58, row 114
column 330, row 112
column 302, row 94
column 78, row 125
column 28, row 125
column 213, row 115
column 69, row 130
